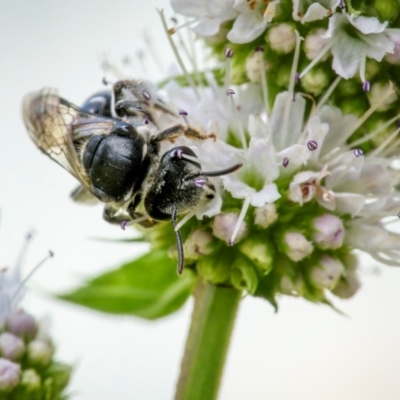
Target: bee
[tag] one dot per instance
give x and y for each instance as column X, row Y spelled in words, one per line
column 112, row 146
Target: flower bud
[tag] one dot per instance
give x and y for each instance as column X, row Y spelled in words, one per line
column 198, row 243
column 296, row 246
column 21, row 324
column 266, row 215
column 348, row 284
column 30, row 381
column 10, row 373
column 378, row 90
column 39, row 353
column 315, row 81
column 327, row 273
column 244, row 275
column 11, row 347
column 259, row 252
column 281, row 38
column 215, row 268
column 387, row 10
column 329, row 232
column 255, row 66
column 314, row 43
column 292, row 287
column 225, row 223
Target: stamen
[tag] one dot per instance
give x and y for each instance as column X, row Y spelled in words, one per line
column 126, row 223
column 366, row 86
column 184, row 114
column 264, row 84
column 384, row 144
column 228, row 56
column 240, row 220
column 24, row 248
column 312, row 145
column 358, row 152
column 285, row 162
column 367, row 114
column 323, row 51
column 230, row 93
column 200, row 182
column 50, row 254
column 146, row 119
column 297, row 77
column 146, row 95
column 375, row 132
column 327, row 94
column 184, row 25
column 288, row 103
column 342, row 6
column 185, row 219
column 177, row 55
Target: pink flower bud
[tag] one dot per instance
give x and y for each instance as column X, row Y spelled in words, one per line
column 10, row 374
column 39, row 353
column 11, row 347
column 198, row 244
column 297, row 246
column 329, row 232
column 266, row 215
column 224, row 224
column 327, row 273
column 21, row 324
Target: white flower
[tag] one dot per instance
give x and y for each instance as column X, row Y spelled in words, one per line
column 209, row 13
column 367, row 39
column 297, row 246
column 252, row 20
column 308, row 10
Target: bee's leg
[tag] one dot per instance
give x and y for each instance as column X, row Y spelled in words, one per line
column 133, row 108
column 178, row 130
column 110, row 215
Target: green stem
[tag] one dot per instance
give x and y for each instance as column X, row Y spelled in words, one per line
column 208, row 341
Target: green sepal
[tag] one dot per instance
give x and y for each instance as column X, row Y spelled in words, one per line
column 148, row 287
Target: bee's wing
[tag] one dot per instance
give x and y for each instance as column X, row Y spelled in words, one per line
column 60, row 129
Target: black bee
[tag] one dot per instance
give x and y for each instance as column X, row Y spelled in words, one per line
column 112, row 146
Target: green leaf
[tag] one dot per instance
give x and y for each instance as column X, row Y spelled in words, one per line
column 148, row 287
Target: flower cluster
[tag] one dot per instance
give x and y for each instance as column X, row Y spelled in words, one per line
column 320, row 154
column 27, row 367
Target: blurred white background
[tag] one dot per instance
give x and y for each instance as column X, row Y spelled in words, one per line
column 303, row 352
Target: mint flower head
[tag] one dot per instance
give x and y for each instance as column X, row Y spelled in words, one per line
column 318, row 177
column 27, row 367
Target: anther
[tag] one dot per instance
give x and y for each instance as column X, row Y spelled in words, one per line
column 342, row 6
column 123, row 224
column 285, row 162
column 366, row 86
column 231, row 242
column 200, row 182
column 184, row 114
column 230, row 92
column 358, row 152
column 51, row 253
column 146, row 95
column 297, row 77
column 178, row 153
column 259, row 48
column 146, row 119
column 398, row 214
column 174, row 20
column 229, row 53
column 312, row 145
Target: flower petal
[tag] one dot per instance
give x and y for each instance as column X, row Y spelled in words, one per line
column 247, row 27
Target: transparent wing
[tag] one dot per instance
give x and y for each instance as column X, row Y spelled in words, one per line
column 60, row 129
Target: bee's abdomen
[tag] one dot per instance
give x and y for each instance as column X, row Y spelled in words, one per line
column 115, row 165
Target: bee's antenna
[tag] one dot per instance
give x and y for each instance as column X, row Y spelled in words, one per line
column 179, row 244
column 216, row 173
